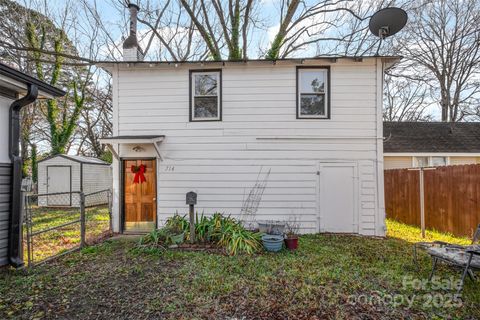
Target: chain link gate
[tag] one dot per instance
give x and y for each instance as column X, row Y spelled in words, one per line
column 52, row 230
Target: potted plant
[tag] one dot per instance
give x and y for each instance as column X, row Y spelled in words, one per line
column 272, row 241
column 292, row 228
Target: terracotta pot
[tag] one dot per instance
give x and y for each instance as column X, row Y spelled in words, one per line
column 291, row 242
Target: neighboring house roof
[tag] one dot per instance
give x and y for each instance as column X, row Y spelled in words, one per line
column 17, row 81
column 81, row 159
column 418, row 137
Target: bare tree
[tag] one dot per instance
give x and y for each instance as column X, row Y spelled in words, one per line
column 222, row 23
column 331, row 27
column 58, row 45
column 405, row 100
column 442, row 45
column 95, row 121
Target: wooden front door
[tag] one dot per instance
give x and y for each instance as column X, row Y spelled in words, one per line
column 140, row 198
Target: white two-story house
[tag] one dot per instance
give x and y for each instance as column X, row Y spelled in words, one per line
column 276, row 139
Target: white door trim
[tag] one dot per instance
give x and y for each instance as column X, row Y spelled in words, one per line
column 339, row 163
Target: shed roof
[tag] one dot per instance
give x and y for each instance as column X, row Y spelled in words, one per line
column 426, row 137
column 81, row 159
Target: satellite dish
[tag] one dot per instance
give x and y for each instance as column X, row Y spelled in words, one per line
column 387, row 22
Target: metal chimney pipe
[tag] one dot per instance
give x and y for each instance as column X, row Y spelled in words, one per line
column 133, row 18
column 131, row 48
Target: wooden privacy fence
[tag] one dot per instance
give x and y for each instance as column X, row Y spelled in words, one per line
column 451, row 196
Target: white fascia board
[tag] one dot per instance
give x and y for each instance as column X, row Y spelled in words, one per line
column 21, row 88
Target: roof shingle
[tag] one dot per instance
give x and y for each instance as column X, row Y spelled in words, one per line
column 461, row 137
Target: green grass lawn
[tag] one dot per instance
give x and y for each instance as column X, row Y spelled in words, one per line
column 59, row 240
column 329, row 277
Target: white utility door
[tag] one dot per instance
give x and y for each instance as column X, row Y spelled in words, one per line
column 59, row 180
column 338, row 197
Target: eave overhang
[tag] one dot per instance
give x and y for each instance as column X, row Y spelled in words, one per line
column 154, row 140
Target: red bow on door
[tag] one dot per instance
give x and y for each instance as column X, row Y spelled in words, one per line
column 139, row 171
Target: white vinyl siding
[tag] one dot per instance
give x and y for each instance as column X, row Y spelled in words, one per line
column 43, row 179
column 4, row 129
column 463, row 160
column 95, row 178
column 259, row 131
column 399, row 162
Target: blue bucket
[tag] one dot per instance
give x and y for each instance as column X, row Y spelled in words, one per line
column 272, row 242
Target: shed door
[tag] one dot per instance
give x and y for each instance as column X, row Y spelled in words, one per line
column 59, row 179
column 338, row 198
column 140, row 198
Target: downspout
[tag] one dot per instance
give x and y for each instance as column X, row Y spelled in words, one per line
column 15, row 227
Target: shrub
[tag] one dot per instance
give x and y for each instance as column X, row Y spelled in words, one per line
column 224, row 231
column 178, row 223
column 154, row 238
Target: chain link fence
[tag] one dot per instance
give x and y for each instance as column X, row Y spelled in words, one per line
column 58, row 223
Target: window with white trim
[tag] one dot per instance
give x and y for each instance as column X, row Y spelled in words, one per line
column 205, row 102
column 438, row 161
column 434, row 161
column 421, row 162
column 312, row 93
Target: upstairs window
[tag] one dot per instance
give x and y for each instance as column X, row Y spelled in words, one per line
column 313, row 93
column 205, row 95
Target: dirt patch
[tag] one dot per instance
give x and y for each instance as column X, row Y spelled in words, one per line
column 206, row 248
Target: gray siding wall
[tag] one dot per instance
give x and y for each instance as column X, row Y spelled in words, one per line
column 5, row 179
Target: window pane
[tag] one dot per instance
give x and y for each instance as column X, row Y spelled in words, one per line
column 421, row 162
column 205, row 84
column 439, row 161
column 312, row 105
column 312, row 81
column 205, row 107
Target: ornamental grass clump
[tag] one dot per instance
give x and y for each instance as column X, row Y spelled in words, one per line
column 223, row 231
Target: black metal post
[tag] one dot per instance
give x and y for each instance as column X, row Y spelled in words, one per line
column 192, row 223
column 191, row 200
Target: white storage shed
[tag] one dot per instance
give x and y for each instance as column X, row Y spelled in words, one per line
column 67, row 173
